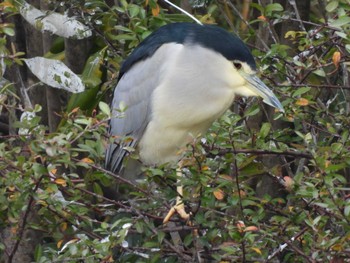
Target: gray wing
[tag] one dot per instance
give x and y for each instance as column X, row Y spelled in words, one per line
column 134, row 90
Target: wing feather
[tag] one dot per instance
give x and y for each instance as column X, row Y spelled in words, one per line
column 134, row 90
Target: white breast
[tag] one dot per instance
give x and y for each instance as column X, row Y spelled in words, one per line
column 197, row 87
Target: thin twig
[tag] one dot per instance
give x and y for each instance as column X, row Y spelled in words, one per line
column 264, row 152
column 298, row 17
column 321, row 86
column 285, row 245
column 115, row 176
column 181, row 254
column 117, row 203
column 77, row 225
column 240, row 200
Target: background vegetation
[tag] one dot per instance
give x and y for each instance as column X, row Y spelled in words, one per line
column 262, row 186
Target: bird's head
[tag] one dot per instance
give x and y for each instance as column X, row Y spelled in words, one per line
column 241, row 62
column 253, row 85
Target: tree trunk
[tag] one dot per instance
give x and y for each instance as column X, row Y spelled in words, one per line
column 266, row 184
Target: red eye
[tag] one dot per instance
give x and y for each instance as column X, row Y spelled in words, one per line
column 238, row 66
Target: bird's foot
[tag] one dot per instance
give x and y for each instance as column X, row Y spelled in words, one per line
column 178, row 208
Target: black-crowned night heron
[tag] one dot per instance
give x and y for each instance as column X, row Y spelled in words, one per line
column 174, row 85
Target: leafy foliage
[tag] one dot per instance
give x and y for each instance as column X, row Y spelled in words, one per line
column 302, row 156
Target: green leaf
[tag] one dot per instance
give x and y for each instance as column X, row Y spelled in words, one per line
column 122, row 37
column 92, row 73
column 257, row 6
column 140, row 225
column 335, row 167
column 269, row 9
column 92, row 78
column 38, row 252
column 83, row 121
column 341, row 34
column 188, row 240
column 336, row 147
column 123, row 28
column 124, row 3
column 347, row 210
column 161, row 236
column 332, row 6
column 134, row 10
column 104, row 108
column 319, row 72
column 252, row 169
column 252, row 111
column 265, row 130
column 300, row 91
column 347, row 47
column 39, row 169
column 9, row 31
column 341, row 21
column 97, row 189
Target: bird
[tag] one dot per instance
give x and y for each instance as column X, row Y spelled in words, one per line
column 172, row 87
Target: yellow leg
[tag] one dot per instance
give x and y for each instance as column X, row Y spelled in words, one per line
column 179, row 206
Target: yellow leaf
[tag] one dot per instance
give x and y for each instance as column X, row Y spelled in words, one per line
column 13, row 230
column 290, row 118
column 337, row 247
column 240, row 225
column 53, row 171
column 186, row 161
column 6, row 4
column 226, row 177
column 240, row 193
column 288, row 183
column 323, row 193
column 63, row 226
column 302, row 102
column 205, row 168
column 262, row 18
column 290, row 34
column 75, row 110
column 108, row 258
column 336, row 58
column 251, row 229
column 156, row 10
column 298, row 146
column 257, row 250
column 42, row 202
column 87, row 160
column 219, row 194
column 61, row 181
column 59, row 243
column 129, row 139
column 228, row 244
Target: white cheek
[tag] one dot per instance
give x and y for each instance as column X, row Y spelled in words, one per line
column 238, row 83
